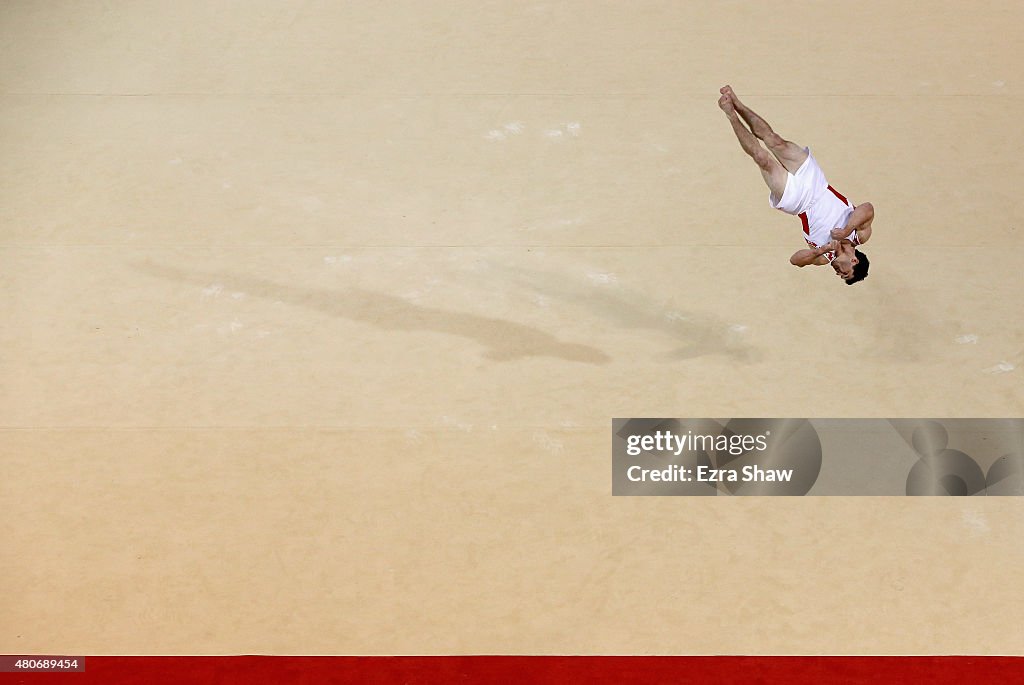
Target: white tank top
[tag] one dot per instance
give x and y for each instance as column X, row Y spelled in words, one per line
column 829, row 210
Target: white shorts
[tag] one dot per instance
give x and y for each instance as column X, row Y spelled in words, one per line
column 801, row 188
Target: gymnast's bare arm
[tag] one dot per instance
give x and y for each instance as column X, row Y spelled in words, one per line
column 812, row 256
column 860, row 221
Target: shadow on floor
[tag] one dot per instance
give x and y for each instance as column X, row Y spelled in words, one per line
column 697, row 335
column 503, row 340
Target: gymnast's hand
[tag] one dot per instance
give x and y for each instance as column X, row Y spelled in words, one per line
column 841, row 233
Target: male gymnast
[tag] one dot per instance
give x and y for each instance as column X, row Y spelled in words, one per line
column 833, row 226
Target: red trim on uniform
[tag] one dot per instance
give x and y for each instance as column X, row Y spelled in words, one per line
column 803, row 220
column 543, row 670
column 837, row 194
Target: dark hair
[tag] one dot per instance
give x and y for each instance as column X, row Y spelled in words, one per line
column 860, row 269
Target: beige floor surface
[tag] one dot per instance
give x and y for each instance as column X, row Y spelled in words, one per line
column 315, row 315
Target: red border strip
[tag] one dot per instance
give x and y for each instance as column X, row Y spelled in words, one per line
column 841, row 197
column 935, row 670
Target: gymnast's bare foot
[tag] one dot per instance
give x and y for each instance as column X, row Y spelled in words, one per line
column 728, row 92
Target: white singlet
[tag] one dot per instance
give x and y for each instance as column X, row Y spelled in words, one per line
column 819, row 206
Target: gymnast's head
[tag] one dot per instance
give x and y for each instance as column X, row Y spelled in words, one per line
column 852, row 268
